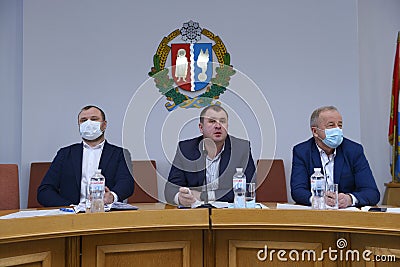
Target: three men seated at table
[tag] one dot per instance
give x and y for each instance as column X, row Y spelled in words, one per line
column 211, row 159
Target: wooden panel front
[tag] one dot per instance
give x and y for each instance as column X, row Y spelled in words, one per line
column 157, row 248
column 272, row 248
column 44, row 253
column 380, row 251
column 241, row 234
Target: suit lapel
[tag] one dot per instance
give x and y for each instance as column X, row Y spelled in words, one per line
column 105, row 156
column 224, row 180
column 77, row 154
column 315, row 157
column 200, row 161
column 225, row 156
column 338, row 166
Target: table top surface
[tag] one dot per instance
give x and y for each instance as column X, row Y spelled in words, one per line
column 158, row 216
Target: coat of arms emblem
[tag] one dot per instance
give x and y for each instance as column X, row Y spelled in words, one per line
column 191, row 83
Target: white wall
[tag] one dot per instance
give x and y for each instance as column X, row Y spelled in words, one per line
column 10, row 80
column 379, row 22
column 301, row 54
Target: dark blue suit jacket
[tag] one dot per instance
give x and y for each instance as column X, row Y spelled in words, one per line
column 188, row 167
column 61, row 185
column 351, row 172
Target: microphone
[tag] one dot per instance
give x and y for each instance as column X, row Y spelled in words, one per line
column 204, row 154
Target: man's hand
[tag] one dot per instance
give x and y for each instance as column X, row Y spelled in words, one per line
column 187, row 197
column 108, row 197
column 344, row 201
column 330, row 198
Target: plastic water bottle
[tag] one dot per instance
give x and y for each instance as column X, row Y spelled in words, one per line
column 87, row 202
column 239, row 189
column 96, row 188
column 318, row 190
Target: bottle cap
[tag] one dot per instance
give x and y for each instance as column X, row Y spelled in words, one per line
column 98, row 171
column 317, row 169
column 239, row 170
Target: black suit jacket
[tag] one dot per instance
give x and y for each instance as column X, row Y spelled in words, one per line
column 188, row 169
column 61, row 185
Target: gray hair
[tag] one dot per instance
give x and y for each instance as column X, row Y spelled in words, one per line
column 315, row 115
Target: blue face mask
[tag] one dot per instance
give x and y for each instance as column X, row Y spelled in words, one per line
column 334, row 137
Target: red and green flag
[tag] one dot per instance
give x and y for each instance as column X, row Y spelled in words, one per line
column 394, row 116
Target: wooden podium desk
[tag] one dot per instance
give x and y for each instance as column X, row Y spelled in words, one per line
column 240, row 234
column 392, row 194
column 150, row 236
column 156, row 235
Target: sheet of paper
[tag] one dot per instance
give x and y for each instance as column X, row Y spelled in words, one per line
column 391, row 210
column 224, row 205
column 107, row 207
column 216, row 204
column 258, row 206
column 292, row 207
column 351, row 209
column 35, row 213
column 261, row 206
column 394, row 210
column 123, row 206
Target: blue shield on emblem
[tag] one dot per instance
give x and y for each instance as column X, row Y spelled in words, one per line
column 192, row 67
column 203, row 68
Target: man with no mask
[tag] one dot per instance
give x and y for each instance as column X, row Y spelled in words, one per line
column 211, row 159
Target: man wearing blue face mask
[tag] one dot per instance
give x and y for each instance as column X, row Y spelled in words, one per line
column 341, row 160
column 65, row 182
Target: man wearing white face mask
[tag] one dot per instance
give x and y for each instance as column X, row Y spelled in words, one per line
column 341, row 160
column 66, row 180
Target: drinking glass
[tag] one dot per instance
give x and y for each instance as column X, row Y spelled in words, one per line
column 250, row 195
column 331, row 194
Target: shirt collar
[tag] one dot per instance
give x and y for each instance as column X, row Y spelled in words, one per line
column 99, row 146
column 322, row 152
column 218, row 155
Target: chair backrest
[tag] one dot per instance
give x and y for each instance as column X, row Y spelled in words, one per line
column 145, row 175
column 271, row 181
column 9, row 184
column 38, row 171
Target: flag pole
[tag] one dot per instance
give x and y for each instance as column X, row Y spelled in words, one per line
column 396, row 137
column 394, row 148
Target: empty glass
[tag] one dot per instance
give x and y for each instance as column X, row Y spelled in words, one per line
column 331, row 196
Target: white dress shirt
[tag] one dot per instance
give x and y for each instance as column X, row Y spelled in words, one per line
column 212, row 175
column 328, row 163
column 90, row 163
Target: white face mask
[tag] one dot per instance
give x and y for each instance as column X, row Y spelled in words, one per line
column 90, row 130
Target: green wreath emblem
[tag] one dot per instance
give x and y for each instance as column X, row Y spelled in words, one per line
column 166, row 85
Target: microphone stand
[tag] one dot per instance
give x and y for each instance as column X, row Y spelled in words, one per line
column 205, row 204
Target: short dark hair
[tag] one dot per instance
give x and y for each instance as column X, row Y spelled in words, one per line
column 315, row 115
column 103, row 115
column 216, row 108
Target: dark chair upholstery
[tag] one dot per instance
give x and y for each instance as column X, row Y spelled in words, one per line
column 271, row 181
column 9, row 183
